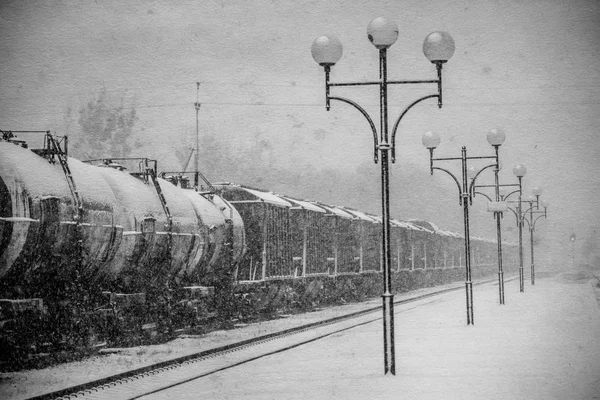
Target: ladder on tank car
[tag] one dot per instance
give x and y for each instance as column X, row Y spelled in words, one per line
column 152, row 172
column 52, row 149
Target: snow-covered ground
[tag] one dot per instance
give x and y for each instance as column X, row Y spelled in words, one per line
column 542, row 344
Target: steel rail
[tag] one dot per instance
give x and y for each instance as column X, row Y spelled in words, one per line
column 94, row 388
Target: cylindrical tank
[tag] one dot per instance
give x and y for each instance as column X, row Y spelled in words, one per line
column 41, row 239
column 124, row 240
column 225, row 231
column 152, row 252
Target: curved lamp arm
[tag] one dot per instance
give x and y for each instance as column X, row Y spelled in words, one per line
column 400, row 119
column 544, row 216
column 511, row 193
column 484, row 195
column 515, row 213
column 529, row 209
column 472, row 185
column 460, row 198
column 366, row 115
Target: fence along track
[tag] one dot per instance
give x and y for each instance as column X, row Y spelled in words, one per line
column 116, row 384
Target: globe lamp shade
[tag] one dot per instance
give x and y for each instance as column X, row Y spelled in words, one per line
column 431, row 140
column 537, row 191
column 496, row 137
column 382, row 33
column 438, row 46
column 472, row 172
column 519, row 170
column 327, row 50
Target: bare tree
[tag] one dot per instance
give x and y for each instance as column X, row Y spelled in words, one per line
column 106, row 129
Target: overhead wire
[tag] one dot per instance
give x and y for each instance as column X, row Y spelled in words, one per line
column 49, row 113
column 293, row 84
column 474, row 104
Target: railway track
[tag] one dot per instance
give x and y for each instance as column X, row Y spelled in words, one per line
column 137, row 383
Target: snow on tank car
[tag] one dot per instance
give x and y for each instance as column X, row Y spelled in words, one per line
column 170, row 232
column 44, row 239
column 97, row 249
column 162, row 241
column 112, row 229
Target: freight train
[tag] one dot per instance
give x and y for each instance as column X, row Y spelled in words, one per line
column 97, row 251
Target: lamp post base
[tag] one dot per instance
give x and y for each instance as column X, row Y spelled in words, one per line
column 469, row 290
column 388, row 333
column 521, row 280
column 501, row 286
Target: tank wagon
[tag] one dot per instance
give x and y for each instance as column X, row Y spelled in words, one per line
column 94, row 250
column 110, row 249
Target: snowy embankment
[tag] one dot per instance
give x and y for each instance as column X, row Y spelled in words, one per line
column 543, row 344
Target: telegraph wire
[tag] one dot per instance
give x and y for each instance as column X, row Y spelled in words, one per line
column 7, row 112
column 473, row 105
column 292, row 84
column 280, row 104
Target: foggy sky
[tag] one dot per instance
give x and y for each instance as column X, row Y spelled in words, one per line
column 529, row 67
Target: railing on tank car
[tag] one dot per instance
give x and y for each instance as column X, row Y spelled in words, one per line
column 11, row 137
column 184, row 179
column 145, row 166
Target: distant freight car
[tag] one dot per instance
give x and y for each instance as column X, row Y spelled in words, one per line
column 292, row 238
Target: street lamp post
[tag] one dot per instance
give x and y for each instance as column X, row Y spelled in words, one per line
column 499, row 207
column 519, row 171
column 533, row 203
column 495, row 137
column 327, row 50
column 431, row 141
